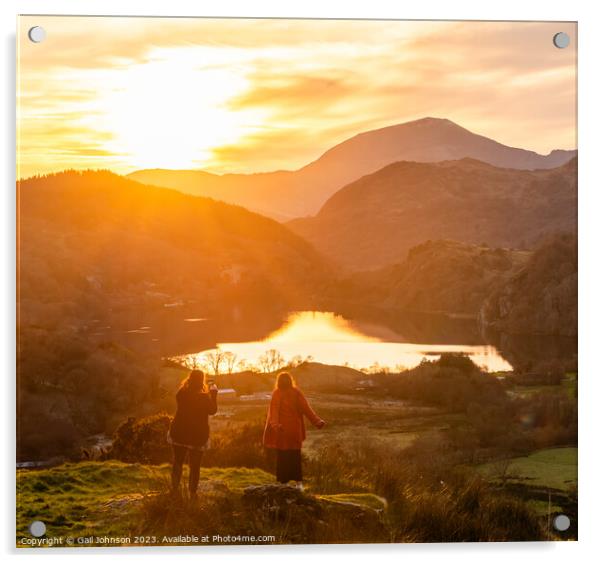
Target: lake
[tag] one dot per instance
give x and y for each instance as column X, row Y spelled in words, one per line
column 331, row 338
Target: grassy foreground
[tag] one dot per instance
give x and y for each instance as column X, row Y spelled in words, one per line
column 118, row 500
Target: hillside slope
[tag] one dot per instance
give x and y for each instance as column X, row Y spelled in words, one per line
column 542, row 297
column 289, row 194
column 374, row 221
column 97, row 233
column 515, row 292
column 437, row 277
column 100, row 258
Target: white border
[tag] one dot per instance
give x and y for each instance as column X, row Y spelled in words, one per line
column 590, row 237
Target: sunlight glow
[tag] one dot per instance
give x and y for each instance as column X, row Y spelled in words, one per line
column 330, row 339
column 164, row 115
column 311, row 326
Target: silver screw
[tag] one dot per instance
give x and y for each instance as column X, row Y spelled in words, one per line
column 37, row 528
column 561, row 40
column 562, row 523
column 37, row 34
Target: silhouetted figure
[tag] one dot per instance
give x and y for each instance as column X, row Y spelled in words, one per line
column 285, row 428
column 189, row 430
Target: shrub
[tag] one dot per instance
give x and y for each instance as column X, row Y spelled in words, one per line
column 453, row 383
column 430, row 498
column 238, row 447
column 143, row 440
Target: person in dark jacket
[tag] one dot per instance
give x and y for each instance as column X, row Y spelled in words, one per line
column 285, row 428
column 189, row 429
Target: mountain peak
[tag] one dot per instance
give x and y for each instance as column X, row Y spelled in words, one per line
column 431, row 121
column 302, row 192
column 423, row 122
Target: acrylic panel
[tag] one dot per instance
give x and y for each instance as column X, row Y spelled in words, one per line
column 295, row 281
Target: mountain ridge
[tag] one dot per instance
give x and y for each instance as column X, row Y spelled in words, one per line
column 144, row 228
column 375, row 220
column 287, row 194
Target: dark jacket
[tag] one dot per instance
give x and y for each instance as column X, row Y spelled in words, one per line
column 190, row 425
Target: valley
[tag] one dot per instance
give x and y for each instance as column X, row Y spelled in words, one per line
column 428, row 309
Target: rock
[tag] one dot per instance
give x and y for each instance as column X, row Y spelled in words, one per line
column 123, row 501
column 312, row 519
column 282, row 504
column 363, row 500
column 275, row 497
column 212, row 487
column 359, row 516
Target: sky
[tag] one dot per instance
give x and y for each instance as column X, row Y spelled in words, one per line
column 230, row 95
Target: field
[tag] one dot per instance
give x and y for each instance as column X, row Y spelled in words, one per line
column 350, row 418
column 552, row 468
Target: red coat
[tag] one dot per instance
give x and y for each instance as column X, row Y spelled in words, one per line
column 284, row 427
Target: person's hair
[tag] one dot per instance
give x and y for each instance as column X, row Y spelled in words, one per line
column 284, row 381
column 195, row 382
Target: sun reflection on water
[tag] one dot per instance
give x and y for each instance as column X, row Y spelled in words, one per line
column 329, row 338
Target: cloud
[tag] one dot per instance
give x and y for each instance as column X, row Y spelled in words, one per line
column 278, row 144
column 299, row 86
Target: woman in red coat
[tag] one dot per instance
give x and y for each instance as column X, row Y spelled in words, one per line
column 285, row 428
column 189, row 430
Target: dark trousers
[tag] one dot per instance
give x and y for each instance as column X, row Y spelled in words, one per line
column 288, row 466
column 194, row 464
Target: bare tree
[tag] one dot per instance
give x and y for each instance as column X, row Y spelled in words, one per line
column 213, row 360
column 270, row 361
column 263, row 363
column 276, row 360
column 193, row 361
column 230, row 359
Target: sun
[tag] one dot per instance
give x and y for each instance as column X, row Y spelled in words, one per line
column 166, row 113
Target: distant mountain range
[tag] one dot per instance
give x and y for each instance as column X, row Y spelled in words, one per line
column 290, row 194
column 375, row 220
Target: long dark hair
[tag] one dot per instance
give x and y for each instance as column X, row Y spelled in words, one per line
column 195, row 382
column 284, row 381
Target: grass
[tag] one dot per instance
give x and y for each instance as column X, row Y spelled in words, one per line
column 543, row 508
column 365, row 500
column 128, row 500
column 568, row 384
column 554, row 468
column 99, row 497
column 392, row 423
column 531, row 390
